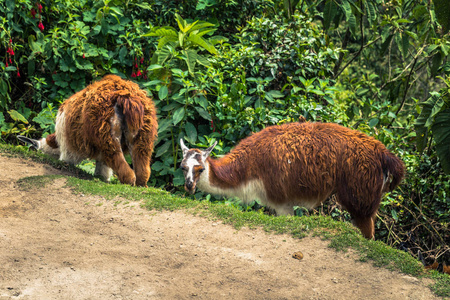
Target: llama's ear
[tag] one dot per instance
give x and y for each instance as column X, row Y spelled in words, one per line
column 32, row 143
column 183, row 147
column 206, row 152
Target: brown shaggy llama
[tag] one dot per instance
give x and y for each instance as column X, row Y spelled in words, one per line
column 300, row 164
column 108, row 118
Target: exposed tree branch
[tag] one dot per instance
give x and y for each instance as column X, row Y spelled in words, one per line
column 407, row 86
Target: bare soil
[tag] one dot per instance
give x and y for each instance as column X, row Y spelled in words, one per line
column 55, row 244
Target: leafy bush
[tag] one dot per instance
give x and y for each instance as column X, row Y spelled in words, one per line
column 435, row 116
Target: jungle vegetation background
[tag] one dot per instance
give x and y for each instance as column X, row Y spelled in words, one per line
column 221, row 69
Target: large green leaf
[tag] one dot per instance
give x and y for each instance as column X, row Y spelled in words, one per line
column 424, row 121
column 203, row 60
column 162, row 31
column 162, row 55
column 202, row 43
column 203, row 113
column 181, row 22
column 441, row 134
column 166, row 40
column 3, row 87
column 191, row 59
column 329, row 13
column 16, row 116
column 349, row 16
column 178, row 115
column 201, row 28
column 371, row 12
column 163, row 149
column 163, row 92
column 191, row 132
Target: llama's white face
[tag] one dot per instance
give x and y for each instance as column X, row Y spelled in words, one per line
column 193, row 165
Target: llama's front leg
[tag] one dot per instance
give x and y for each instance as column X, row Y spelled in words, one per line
column 117, row 162
column 102, row 170
column 141, row 166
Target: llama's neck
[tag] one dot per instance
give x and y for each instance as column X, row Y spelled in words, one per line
column 229, row 176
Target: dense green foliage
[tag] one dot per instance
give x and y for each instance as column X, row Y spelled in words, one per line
column 221, row 69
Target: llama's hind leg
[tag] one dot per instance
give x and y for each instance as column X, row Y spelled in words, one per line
column 366, row 225
column 103, row 171
column 141, row 149
column 363, row 210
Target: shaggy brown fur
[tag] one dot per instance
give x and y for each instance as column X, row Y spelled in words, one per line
column 108, row 118
column 305, row 163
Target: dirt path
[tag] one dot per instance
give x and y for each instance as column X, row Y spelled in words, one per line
column 57, row 245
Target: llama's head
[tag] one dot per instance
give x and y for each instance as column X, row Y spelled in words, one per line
column 193, row 165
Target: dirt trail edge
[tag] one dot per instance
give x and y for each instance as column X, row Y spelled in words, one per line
column 57, row 245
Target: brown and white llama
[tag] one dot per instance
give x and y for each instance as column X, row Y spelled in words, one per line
column 300, row 164
column 108, row 118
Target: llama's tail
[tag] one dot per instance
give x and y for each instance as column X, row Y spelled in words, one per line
column 132, row 109
column 393, row 168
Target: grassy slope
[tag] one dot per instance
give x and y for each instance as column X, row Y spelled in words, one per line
column 341, row 235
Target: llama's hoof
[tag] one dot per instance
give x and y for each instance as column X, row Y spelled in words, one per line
column 128, row 179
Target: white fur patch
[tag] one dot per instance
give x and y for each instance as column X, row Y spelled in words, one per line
column 254, row 190
column 247, row 192
column 101, row 169
column 61, row 138
column 190, row 163
column 44, row 147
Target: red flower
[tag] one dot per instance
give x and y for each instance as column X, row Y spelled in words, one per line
column 138, row 73
column 10, row 41
column 84, row 56
column 10, row 61
column 41, row 26
column 40, row 8
column 10, row 51
column 7, row 65
column 33, row 13
column 142, row 60
column 133, row 74
column 18, row 74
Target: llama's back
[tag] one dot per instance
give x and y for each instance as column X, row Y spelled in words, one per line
column 86, row 118
column 309, row 161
